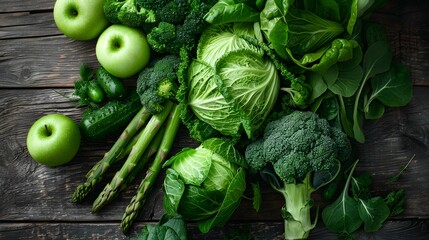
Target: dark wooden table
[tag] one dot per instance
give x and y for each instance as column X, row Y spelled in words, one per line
column 38, row 66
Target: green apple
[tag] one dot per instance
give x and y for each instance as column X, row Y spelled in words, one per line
column 80, row 19
column 123, row 51
column 53, row 140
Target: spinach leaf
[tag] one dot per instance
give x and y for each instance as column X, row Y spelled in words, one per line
column 373, row 212
column 392, row 88
column 375, row 110
column 317, row 84
column 361, row 186
column 347, row 82
column 395, row 200
column 340, row 216
column 169, row 227
column 376, row 60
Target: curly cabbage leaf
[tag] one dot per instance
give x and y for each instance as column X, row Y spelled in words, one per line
column 250, row 83
column 221, row 39
column 232, row 85
column 207, row 102
column 203, row 185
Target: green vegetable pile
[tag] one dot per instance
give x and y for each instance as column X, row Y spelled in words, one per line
column 277, row 90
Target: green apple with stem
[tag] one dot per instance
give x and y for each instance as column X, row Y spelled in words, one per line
column 123, row 51
column 53, row 140
column 80, row 19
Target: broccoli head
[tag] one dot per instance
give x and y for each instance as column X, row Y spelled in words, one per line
column 128, row 12
column 156, row 83
column 296, row 147
column 178, row 27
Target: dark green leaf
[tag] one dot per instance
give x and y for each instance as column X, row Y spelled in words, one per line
column 321, row 178
column 401, row 170
column 229, row 11
column 257, row 197
column 373, row 212
column 168, row 228
column 317, row 84
column 361, row 186
column 393, row 88
column 377, row 59
column 340, row 216
column 375, row 110
column 395, row 201
column 347, row 82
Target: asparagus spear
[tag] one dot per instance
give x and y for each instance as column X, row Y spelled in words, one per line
column 137, row 202
column 104, row 199
column 121, row 156
column 95, row 175
column 137, row 151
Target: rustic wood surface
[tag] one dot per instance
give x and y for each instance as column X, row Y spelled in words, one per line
column 38, row 66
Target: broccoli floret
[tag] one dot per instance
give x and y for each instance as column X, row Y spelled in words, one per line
column 128, row 12
column 176, row 30
column 156, row 83
column 174, row 11
column 296, row 146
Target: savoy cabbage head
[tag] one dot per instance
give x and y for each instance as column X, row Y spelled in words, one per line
column 231, row 86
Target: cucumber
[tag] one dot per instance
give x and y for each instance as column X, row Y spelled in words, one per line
column 94, row 92
column 111, row 85
column 110, row 119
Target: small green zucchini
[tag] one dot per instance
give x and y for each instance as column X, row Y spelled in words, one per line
column 110, row 119
column 111, row 85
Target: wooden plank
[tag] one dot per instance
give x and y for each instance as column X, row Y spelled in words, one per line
column 26, row 24
column 8, row 6
column 398, row 230
column 32, row 192
column 45, row 60
column 29, row 190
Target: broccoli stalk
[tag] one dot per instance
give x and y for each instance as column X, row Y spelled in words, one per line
column 296, row 212
column 298, row 154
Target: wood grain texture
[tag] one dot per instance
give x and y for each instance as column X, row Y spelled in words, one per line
column 31, row 191
column 404, row 230
column 38, row 66
column 7, row 6
column 34, row 54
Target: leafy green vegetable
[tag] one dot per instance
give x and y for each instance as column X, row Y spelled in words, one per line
column 205, row 184
column 232, row 85
column 340, row 216
column 395, row 201
column 346, row 214
column 376, row 60
column 168, row 228
column 401, row 170
column 231, row 11
column 392, row 88
column 373, row 213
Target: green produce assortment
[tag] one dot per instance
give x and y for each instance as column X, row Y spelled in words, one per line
column 274, row 90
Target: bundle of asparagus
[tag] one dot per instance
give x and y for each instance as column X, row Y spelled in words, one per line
column 151, row 132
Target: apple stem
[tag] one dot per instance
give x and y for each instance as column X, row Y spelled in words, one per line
column 48, row 132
